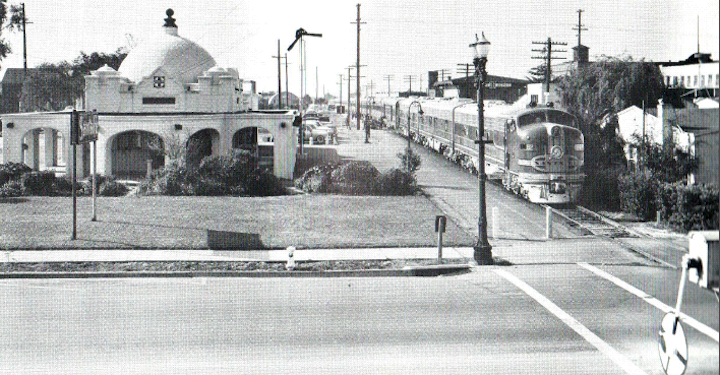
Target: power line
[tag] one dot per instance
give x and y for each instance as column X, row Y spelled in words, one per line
column 547, row 51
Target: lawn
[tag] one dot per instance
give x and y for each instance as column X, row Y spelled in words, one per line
column 304, row 221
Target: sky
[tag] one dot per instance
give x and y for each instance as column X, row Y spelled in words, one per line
column 399, row 39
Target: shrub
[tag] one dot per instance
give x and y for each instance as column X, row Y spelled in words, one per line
column 355, row 178
column 38, row 183
column 600, row 189
column 397, row 182
column 317, row 179
column 12, row 172
column 173, row 179
column 638, row 194
column 409, row 159
column 209, row 187
column 689, row 207
column 62, row 186
column 11, row 189
column 262, row 183
column 112, row 188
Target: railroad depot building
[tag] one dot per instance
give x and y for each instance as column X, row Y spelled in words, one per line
column 168, row 92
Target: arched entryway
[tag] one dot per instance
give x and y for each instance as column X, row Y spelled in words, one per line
column 131, row 151
column 259, row 142
column 200, row 145
column 44, row 149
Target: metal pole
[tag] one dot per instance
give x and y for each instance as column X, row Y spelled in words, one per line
column 73, row 122
column 357, row 66
column 482, row 251
column 94, row 183
column 548, row 222
column 279, row 78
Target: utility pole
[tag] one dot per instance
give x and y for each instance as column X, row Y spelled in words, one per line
column 357, row 64
column 388, row 77
column 547, row 50
column 316, row 84
column 341, row 79
column 24, row 22
column 349, row 83
column 465, row 68
column 579, row 28
column 280, row 105
column 287, row 89
column 409, row 78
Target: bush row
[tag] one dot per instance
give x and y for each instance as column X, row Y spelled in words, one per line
column 357, row 178
column 682, row 207
column 236, row 175
column 18, row 179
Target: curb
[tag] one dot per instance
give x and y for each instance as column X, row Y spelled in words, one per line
column 405, row 272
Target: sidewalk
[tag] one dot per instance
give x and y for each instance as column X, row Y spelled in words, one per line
column 591, row 250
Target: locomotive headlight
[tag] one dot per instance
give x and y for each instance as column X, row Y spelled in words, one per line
column 579, row 147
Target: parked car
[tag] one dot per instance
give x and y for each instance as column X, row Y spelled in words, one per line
column 318, row 133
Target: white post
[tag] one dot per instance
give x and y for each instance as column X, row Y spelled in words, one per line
column 290, row 265
column 548, row 222
column 149, row 168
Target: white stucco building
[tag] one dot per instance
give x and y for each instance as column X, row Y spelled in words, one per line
column 167, row 92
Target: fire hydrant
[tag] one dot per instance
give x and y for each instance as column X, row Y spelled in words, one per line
column 291, row 259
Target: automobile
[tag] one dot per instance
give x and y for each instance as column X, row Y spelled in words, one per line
column 319, row 134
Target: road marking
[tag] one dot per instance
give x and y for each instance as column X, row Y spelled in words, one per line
column 571, row 322
column 709, row 332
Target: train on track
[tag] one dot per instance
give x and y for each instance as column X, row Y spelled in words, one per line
column 537, row 152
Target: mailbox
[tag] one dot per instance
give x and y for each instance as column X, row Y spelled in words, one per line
column 705, row 248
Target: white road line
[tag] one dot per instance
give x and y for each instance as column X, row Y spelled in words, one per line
column 709, row 332
column 571, row 322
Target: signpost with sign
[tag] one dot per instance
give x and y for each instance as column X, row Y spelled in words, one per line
column 83, row 129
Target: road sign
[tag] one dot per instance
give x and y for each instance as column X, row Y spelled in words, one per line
column 84, row 127
column 672, row 345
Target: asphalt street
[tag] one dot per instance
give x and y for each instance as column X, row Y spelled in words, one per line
column 535, row 319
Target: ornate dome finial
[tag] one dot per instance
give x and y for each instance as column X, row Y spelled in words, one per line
column 170, row 21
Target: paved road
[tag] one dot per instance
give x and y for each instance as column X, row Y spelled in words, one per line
column 493, row 320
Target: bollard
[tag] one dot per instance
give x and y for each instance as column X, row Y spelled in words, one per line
column 494, row 222
column 290, row 265
column 440, row 221
column 149, row 168
column 548, row 222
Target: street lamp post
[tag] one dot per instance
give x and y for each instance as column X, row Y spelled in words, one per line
column 482, row 250
column 420, row 112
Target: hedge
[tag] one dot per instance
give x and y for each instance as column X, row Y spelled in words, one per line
column 689, row 208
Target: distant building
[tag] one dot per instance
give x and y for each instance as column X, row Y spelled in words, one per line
column 506, row 89
column 696, row 76
column 167, row 93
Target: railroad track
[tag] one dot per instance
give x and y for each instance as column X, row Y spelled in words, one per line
column 592, row 223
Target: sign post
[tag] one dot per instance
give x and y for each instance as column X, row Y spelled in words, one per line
column 83, row 129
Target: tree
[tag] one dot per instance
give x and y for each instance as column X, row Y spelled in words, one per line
column 54, row 86
column 537, row 74
column 14, row 23
column 598, row 91
column 595, row 93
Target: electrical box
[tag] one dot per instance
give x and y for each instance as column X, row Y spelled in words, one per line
column 705, row 247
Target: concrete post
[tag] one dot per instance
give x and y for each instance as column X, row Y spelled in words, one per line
column 548, row 222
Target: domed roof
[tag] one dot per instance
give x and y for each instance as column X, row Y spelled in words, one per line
column 180, row 58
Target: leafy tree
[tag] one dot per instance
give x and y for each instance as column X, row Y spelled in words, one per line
column 595, row 93
column 54, row 86
column 12, row 24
